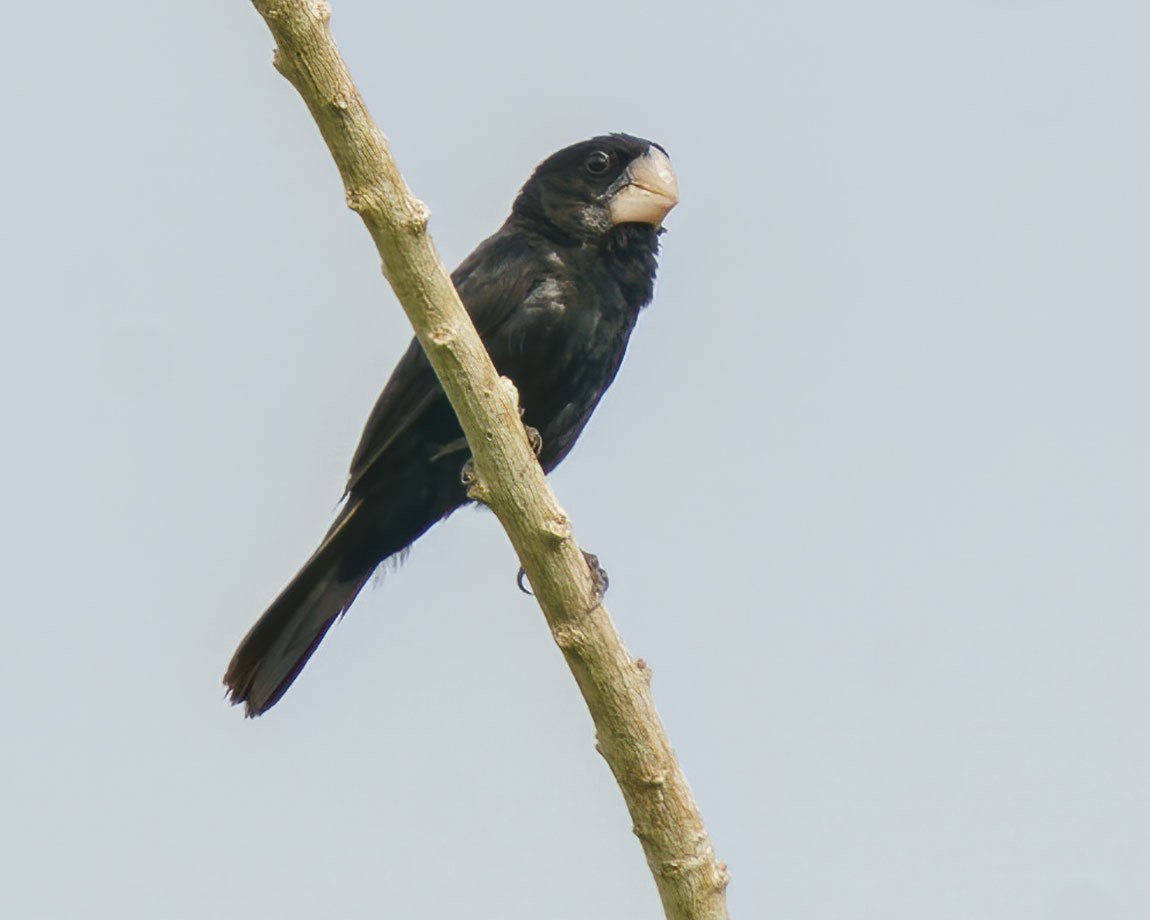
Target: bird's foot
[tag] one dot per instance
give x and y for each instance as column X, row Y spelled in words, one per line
column 535, row 439
column 469, row 476
column 599, row 580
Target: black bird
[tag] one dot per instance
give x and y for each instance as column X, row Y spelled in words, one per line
column 554, row 294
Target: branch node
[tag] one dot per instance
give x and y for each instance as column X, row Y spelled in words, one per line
column 415, row 218
column 567, row 637
column 477, row 489
column 442, row 336
column 676, row 867
column 511, row 392
column 654, row 781
column 558, row 529
column 644, row 670
column 361, row 200
column 279, row 62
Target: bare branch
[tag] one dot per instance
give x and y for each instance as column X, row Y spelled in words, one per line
column 508, row 478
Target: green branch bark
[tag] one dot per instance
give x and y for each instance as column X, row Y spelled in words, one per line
column 508, row 478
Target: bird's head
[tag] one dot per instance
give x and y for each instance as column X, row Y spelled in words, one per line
column 585, row 190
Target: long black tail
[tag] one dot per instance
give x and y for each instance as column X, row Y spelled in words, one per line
column 277, row 647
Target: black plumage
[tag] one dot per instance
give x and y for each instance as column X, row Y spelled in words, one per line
column 554, row 294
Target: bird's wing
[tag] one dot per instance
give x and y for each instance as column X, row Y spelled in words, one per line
column 492, row 282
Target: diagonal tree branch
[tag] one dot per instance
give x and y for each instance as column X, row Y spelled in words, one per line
column 508, row 478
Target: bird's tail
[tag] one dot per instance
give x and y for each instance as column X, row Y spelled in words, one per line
column 277, row 647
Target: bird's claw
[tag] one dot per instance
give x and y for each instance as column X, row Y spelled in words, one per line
column 520, row 579
column 535, row 439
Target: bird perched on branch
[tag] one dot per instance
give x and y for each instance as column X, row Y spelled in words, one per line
column 554, row 294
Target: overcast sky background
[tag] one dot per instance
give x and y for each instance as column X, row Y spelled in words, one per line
column 872, row 485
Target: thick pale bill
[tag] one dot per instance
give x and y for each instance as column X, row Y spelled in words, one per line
column 651, row 191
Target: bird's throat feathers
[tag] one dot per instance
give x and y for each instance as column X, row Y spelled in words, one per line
column 631, row 251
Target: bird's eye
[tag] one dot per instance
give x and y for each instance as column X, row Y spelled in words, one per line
column 598, row 162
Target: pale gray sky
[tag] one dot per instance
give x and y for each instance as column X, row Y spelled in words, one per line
column 871, row 486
